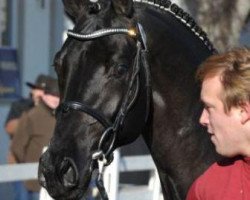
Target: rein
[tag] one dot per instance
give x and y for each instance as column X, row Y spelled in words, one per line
column 103, row 156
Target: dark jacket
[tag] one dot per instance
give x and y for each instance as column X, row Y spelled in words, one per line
column 33, row 133
column 18, row 107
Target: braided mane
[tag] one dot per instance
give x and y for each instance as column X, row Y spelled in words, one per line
column 182, row 16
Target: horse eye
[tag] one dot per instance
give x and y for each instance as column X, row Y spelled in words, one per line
column 121, row 69
column 118, row 70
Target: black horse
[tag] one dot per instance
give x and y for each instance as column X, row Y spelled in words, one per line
column 127, row 69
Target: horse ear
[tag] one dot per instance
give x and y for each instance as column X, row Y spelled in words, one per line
column 73, row 8
column 124, row 7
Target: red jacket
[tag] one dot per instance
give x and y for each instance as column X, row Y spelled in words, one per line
column 223, row 182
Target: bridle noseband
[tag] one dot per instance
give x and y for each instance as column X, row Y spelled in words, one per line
column 104, row 156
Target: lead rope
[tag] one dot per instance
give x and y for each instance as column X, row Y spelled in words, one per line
column 101, row 161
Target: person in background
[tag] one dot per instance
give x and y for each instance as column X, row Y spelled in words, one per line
column 225, row 93
column 16, row 110
column 34, row 131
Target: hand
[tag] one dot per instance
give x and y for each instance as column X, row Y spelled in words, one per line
column 11, row 158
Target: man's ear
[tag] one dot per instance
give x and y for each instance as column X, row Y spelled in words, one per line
column 73, row 8
column 123, row 7
column 245, row 112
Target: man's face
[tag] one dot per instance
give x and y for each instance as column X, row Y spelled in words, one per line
column 51, row 100
column 37, row 95
column 224, row 128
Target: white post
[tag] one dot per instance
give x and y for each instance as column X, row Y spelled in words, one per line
column 156, row 187
column 44, row 195
column 111, row 177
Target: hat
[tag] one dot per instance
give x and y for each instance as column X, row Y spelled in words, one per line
column 39, row 84
column 51, row 86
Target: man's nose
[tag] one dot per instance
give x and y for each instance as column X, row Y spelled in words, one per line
column 204, row 118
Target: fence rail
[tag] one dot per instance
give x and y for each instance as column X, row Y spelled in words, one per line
column 18, row 172
column 27, row 171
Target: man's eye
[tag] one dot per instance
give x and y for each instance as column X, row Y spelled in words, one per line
column 208, row 107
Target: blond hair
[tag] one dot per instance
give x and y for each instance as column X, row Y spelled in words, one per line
column 234, row 70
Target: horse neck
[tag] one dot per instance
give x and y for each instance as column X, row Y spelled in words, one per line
column 174, row 53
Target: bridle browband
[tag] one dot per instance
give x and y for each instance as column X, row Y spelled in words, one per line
column 101, row 33
column 104, row 156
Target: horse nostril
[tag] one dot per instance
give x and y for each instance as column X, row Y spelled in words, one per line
column 69, row 173
column 69, row 178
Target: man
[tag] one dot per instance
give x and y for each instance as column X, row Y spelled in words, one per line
column 225, row 93
column 34, row 131
column 24, row 104
column 17, row 108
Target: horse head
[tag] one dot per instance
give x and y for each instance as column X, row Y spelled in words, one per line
column 100, row 72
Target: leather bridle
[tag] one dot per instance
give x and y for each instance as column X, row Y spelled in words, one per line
column 104, row 156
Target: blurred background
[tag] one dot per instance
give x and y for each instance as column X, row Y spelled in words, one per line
column 32, row 31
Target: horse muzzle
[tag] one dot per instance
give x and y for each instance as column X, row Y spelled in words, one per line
column 58, row 178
